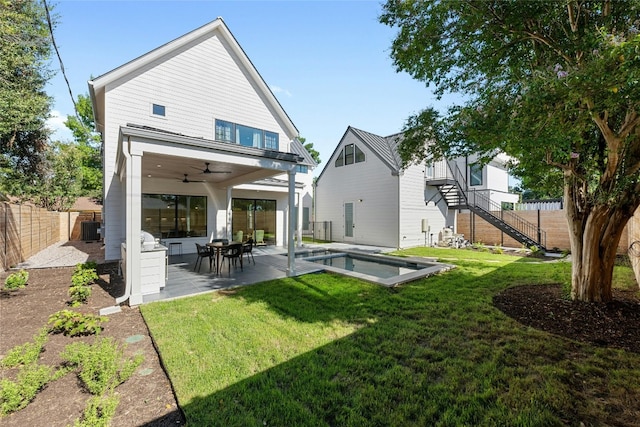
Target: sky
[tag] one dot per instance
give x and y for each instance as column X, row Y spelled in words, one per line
column 327, row 62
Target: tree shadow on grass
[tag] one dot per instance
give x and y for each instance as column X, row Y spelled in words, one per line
column 432, row 351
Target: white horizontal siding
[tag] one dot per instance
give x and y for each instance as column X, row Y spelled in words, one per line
column 198, row 84
column 413, row 209
column 372, row 189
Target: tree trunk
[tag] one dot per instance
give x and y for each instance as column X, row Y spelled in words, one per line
column 595, row 231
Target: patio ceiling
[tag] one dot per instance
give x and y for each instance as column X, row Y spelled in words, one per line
column 167, row 155
column 160, row 166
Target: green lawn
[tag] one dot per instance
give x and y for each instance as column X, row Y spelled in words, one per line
column 326, row 350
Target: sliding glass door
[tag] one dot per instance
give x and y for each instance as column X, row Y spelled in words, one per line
column 250, row 215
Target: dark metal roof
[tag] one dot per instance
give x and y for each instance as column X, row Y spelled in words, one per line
column 384, row 147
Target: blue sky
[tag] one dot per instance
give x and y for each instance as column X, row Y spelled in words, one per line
column 327, row 62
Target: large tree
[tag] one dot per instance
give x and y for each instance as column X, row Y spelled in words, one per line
column 25, row 47
column 89, row 147
column 309, row 147
column 554, row 84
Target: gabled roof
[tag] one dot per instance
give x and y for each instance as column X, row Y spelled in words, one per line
column 384, row 147
column 297, row 148
column 219, row 28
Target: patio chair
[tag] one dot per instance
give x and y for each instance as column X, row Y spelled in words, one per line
column 203, row 252
column 260, row 237
column 233, row 254
column 247, row 248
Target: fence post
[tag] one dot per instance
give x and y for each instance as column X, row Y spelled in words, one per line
column 539, row 233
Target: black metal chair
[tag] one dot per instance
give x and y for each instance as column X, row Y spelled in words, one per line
column 233, row 254
column 203, row 252
column 247, row 249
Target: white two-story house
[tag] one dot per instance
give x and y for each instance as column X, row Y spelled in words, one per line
column 370, row 198
column 196, row 146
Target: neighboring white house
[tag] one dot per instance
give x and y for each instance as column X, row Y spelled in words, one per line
column 369, row 198
column 196, row 145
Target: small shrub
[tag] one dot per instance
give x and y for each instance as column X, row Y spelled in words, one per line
column 15, row 395
column 72, row 323
column 102, row 365
column 26, row 353
column 83, row 276
column 480, row 247
column 536, row 251
column 99, row 411
column 498, row 250
column 89, row 265
column 16, row 280
column 79, row 294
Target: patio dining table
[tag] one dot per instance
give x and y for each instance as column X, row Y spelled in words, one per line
column 218, row 247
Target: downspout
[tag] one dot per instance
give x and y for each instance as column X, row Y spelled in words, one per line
column 127, row 288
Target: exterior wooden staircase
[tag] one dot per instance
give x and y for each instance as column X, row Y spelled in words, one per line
column 452, row 188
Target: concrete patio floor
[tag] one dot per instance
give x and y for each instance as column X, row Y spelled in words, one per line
column 183, row 281
column 270, row 264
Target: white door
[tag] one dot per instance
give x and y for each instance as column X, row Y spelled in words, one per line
column 349, row 225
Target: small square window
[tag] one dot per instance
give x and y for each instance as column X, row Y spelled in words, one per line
column 158, row 110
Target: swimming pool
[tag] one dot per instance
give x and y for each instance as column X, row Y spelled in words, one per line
column 376, row 268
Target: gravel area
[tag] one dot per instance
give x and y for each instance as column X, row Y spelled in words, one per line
column 65, row 254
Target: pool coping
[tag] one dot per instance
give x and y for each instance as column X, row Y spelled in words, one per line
column 389, row 282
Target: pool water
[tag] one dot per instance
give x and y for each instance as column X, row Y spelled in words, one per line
column 357, row 264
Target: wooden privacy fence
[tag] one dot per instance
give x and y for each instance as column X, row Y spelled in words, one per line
column 25, row 230
column 553, row 222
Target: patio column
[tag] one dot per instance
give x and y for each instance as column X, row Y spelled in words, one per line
column 291, row 252
column 299, row 222
column 229, row 216
column 133, row 226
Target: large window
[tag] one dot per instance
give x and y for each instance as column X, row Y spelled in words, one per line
column 349, row 155
column 475, row 174
column 246, row 135
column 168, row 215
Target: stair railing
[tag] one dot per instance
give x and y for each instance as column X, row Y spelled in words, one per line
column 479, row 199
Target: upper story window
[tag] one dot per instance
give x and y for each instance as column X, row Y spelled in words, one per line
column 302, row 168
column 245, row 135
column 158, row 110
column 349, row 155
column 271, row 140
column 248, row 136
column 225, row 131
column 475, row 174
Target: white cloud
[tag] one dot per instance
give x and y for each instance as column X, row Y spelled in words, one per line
column 56, row 123
column 278, row 89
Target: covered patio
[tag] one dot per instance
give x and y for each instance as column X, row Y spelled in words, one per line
column 151, row 161
column 270, row 264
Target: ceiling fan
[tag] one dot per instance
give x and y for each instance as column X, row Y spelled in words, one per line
column 186, row 180
column 207, row 170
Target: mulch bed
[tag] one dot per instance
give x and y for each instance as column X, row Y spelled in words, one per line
column 613, row 324
column 146, row 399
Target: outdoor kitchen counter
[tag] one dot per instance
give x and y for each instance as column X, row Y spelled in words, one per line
column 153, row 267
